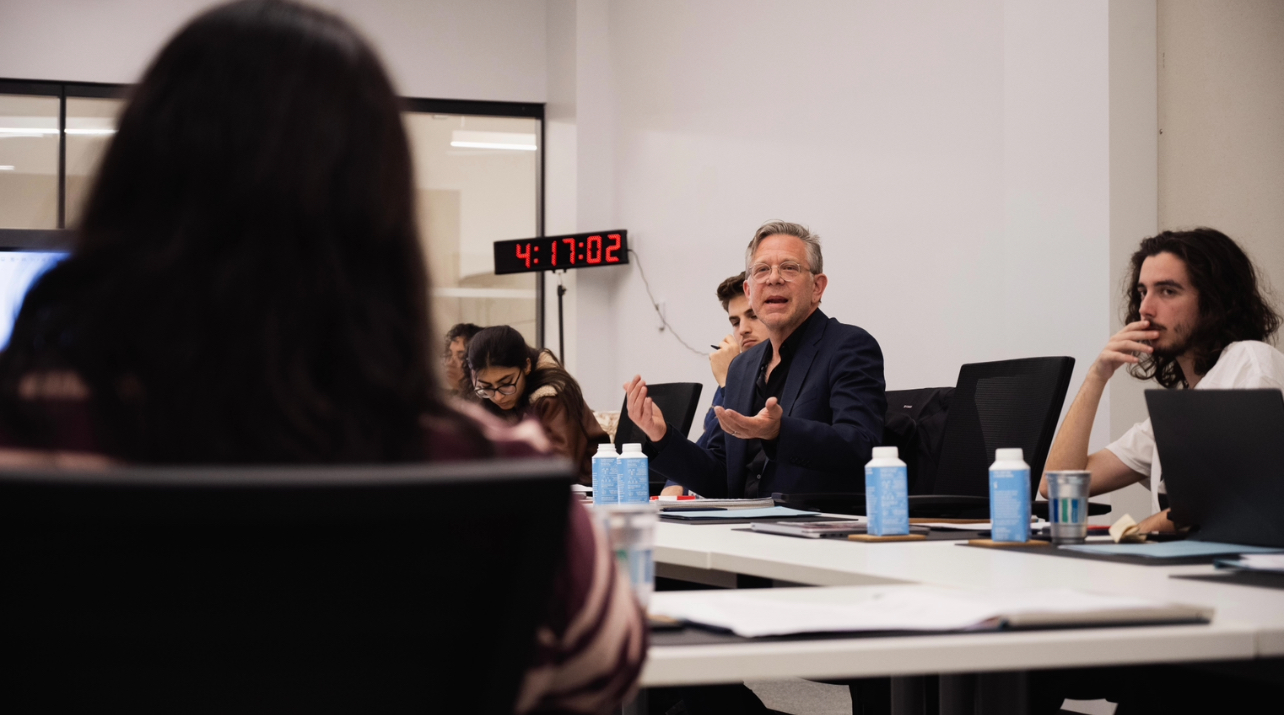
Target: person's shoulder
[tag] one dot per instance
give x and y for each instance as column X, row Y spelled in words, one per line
column 847, row 335
column 448, row 436
column 1254, row 351
column 1254, row 355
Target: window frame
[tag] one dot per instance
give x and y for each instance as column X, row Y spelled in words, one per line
column 60, row 238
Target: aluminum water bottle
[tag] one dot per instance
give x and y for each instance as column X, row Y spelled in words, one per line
column 1009, row 496
column 606, row 478
column 635, row 481
column 887, row 493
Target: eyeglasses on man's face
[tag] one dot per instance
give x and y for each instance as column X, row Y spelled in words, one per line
column 789, row 271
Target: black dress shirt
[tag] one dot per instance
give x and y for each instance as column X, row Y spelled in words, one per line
column 759, row 451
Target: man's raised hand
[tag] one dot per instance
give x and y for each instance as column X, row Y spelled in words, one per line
column 1122, row 349
column 643, row 410
column 764, row 425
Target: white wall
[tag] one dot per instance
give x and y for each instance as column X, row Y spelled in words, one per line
column 1134, row 203
column 1221, row 109
column 454, row 49
column 954, row 157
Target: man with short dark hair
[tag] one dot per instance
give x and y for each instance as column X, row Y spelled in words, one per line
column 1196, row 319
column 803, row 409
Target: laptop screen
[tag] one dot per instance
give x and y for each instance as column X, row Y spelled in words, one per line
column 18, row 270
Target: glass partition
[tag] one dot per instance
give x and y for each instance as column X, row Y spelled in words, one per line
column 477, row 182
column 28, row 161
column 90, row 126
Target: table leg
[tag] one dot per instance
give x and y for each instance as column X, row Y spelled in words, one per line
column 636, row 706
column 908, row 695
column 1002, row 693
column 958, row 694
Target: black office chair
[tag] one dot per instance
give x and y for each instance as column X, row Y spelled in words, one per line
column 677, row 400
column 1007, row 403
column 337, row 589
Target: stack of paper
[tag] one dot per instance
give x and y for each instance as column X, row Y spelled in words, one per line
column 789, row 611
column 772, row 512
column 1257, row 562
column 1170, row 549
column 671, row 503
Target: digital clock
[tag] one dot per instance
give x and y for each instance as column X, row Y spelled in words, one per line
column 560, row 253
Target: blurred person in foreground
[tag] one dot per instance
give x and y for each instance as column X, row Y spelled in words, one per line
column 516, row 381
column 455, row 355
column 746, row 332
column 247, row 287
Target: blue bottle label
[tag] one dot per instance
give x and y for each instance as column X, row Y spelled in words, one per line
column 1010, row 504
column 635, row 485
column 887, row 500
column 606, row 482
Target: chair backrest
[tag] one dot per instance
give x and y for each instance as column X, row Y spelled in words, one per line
column 277, row 589
column 1008, row 403
column 677, row 400
column 915, row 425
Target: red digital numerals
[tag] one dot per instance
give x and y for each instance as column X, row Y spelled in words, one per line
column 613, row 248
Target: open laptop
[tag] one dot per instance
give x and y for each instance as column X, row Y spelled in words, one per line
column 1223, row 458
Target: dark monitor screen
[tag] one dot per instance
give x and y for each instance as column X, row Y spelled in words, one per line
column 18, row 270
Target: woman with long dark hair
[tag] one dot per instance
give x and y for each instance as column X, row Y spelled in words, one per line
column 515, row 380
column 247, row 287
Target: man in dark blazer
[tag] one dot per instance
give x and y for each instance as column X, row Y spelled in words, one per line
column 802, row 411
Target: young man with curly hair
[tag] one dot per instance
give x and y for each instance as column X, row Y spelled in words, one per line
column 1196, row 319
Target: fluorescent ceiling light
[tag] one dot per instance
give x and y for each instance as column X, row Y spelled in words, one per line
column 510, row 141
column 28, row 131
column 6, row 167
column 38, row 132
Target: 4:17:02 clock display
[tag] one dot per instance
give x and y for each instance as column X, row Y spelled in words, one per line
column 558, row 253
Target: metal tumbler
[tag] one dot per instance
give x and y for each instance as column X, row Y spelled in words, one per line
column 630, row 529
column 1068, row 505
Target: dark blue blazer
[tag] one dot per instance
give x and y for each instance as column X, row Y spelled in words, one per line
column 834, row 403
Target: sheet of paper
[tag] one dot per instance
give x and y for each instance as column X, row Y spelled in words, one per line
column 1257, row 562
column 1170, row 549
column 767, row 612
column 769, row 512
column 671, row 503
column 974, row 526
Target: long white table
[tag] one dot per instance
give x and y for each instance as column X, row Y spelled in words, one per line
column 1248, row 623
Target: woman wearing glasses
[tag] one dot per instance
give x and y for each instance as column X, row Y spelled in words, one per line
column 515, row 381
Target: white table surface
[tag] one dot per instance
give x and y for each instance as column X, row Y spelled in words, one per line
column 1248, row 622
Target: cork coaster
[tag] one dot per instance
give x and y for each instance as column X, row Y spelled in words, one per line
column 1006, row 544
column 903, row 537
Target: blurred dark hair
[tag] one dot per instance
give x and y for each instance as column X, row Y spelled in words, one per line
column 730, row 288
column 462, row 330
column 247, row 283
column 503, row 346
column 1231, row 305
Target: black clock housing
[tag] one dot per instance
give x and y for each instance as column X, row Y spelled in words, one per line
column 560, row 253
